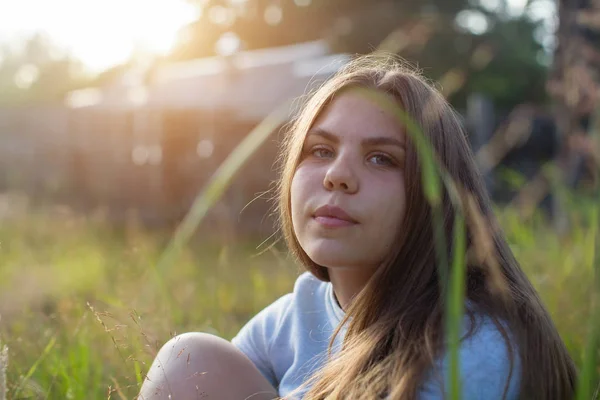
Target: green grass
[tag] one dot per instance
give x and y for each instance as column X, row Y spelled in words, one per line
column 82, row 316
column 81, row 309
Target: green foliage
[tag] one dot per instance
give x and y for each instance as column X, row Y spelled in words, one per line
column 514, row 75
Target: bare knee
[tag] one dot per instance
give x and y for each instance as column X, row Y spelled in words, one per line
column 195, row 353
column 200, row 365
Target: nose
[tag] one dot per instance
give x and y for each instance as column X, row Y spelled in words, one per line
column 340, row 176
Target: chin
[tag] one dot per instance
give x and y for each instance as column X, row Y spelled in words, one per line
column 328, row 262
column 331, row 255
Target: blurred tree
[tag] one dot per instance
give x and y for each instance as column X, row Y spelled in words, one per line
column 498, row 53
column 352, row 25
column 574, row 83
column 503, row 63
column 37, row 72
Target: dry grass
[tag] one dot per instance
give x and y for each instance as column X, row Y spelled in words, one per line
column 83, row 319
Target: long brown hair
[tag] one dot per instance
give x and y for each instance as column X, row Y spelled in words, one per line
column 395, row 324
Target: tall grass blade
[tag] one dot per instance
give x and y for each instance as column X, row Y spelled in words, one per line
column 138, row 373
column 217, row 185
column 35, row 365
column 455, row 304
column 586, row 385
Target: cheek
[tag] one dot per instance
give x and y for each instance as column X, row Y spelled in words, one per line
column 304, row 183
column 390, row 200
column 299, row 191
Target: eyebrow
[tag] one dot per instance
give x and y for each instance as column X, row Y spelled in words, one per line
column 371, row 141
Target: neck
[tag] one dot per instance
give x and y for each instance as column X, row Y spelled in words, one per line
column 348, row 282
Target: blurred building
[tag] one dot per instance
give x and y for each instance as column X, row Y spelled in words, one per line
column 149, row 140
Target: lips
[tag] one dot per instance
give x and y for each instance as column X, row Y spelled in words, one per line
column 333, row 216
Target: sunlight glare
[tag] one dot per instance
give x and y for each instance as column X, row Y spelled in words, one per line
column 101, row 33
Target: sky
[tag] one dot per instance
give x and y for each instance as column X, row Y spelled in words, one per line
column 103, row 33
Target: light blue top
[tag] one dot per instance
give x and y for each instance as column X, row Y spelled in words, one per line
column 288, row 340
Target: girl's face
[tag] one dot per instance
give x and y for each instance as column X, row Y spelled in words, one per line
column 347, row 194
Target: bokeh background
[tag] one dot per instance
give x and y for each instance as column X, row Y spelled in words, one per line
column 116, row 116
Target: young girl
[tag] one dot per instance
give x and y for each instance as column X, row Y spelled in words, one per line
column 366, row 321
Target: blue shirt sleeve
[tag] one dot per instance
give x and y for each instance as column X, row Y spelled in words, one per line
column 253, row 338
column 484, row 368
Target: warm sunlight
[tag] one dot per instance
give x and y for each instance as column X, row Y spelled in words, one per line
column 101, row 33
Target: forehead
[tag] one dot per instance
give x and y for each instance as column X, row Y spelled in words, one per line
column 352, row 114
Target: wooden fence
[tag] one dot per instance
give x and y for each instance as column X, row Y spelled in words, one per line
column 148, row 162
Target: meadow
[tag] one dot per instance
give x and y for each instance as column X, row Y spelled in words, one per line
column 85, row 304
column 83, row 309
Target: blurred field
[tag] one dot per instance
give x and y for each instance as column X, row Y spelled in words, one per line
column 82, row 311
